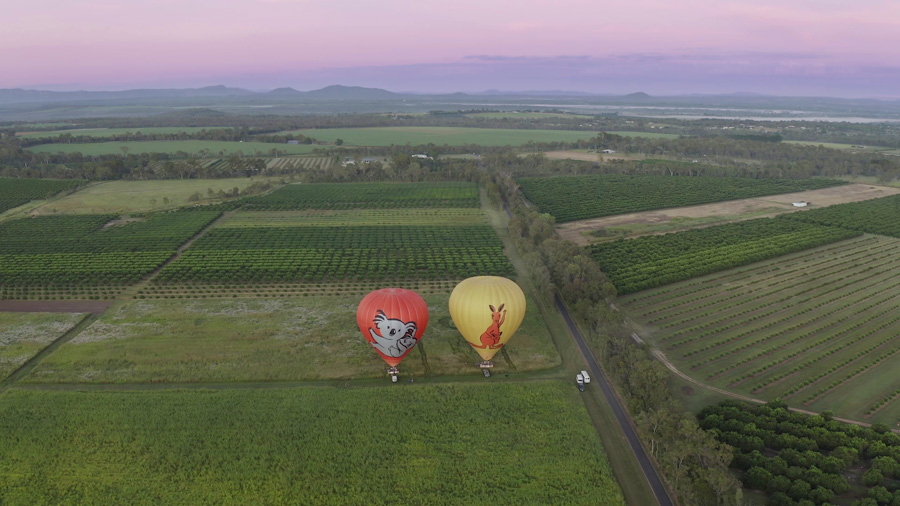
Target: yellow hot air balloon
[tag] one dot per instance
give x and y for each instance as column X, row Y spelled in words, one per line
column 487, row 310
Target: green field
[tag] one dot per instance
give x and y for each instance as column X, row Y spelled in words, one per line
column 214, row 148
column 24, row 335
column 15, row 192
column 817, row 328
column 112, row 132
column 271, row 339
column 654, row 260
column 368, row 196
column 526, row 115
column 571, row 198
column 527, row 443
column 145, row 196
column 439, row 136
column 356, row 217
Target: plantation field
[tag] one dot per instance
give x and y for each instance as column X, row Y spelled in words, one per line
column 877, row 216
column 573, row 198
column 270, row 339
column 682, row 218
column 358, row 217
column 14, row 191
column 817, row 328
column 650, row 261
column 367, row 196
column 439, row 136
column 193, row 147
column 24, row 335
column 78, row 251
column 396, row 252
column 123, row 197
column 112, row 132
column 501, row 443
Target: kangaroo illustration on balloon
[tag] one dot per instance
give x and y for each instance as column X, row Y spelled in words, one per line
column 396, row 338
column 491, row 337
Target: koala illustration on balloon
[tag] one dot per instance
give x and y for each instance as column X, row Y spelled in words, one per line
column 396, row 337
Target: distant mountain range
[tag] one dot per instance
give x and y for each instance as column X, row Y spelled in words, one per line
column 335, row 92
column 34, row 105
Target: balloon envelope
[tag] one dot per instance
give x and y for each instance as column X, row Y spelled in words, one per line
column 392, row 320
column 487, row 310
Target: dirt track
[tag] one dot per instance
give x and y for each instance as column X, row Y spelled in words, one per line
column 776, row 204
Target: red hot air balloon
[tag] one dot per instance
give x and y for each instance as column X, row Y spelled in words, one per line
column 392, row 320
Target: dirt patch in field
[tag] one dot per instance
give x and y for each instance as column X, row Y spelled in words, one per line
column 54, row 306
column 588, row 157
column 123, row 221
column 775, row 204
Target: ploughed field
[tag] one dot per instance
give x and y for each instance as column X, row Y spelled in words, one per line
column 818, row 328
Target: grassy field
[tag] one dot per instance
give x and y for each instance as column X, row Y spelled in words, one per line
column 525, row 443
column 526, row 115
column 358, row 217
column 144, row 196
column 23, row 335
column 312, row 338
column 453, row 136
column 220, row 148
column 817, row 328
column 110, row 132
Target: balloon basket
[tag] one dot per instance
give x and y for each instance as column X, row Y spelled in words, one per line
column 393, row 371
column 486, row 368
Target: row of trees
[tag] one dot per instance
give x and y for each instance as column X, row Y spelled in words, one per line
column 695, row 464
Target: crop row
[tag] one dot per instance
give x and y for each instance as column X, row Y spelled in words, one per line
column 856, row 372
column 884, row 401
column 58, row 251
column 43, row 235
column 802, row 385
column 367, row 196
column 268, row 265
column 580, row 197
column 17, row 191
column 824, row 353
column 730, row 278
column 815, row 291
column 876, row 216
column 59, row 269
column 651, row 261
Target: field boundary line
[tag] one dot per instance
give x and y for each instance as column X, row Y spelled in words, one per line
column 29, row 364
column 135, row 288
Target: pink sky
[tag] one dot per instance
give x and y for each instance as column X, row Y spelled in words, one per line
column 521, row 44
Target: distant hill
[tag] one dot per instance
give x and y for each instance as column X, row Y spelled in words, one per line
column 639, row 95
column 338, row 92
column 285, row 92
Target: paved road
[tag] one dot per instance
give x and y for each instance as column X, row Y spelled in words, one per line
column 656, row 483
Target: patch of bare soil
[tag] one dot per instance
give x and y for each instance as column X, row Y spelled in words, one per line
column 54, row 306
column 123, row 221
column 588, row 157
column 778, row 204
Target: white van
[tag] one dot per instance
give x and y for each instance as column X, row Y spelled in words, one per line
column 584, row 374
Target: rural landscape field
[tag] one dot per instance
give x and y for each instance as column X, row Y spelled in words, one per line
column 289, row 252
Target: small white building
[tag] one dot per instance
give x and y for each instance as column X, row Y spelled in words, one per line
column 802, row 203
column 423, row 156
column 608, row 151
